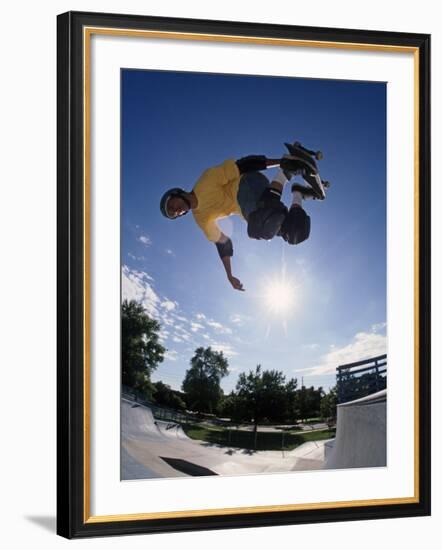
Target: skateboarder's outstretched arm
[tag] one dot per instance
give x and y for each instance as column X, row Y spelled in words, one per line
column 225, row 251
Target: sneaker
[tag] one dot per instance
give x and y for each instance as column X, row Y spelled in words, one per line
column 291, row 167
column 295, row 165
column 306, row 192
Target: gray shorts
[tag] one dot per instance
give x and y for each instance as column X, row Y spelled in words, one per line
column 251, row 186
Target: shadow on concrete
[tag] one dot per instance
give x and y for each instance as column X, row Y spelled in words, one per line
column 188, row 467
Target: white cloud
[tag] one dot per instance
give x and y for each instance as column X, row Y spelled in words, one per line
column 141, row 274
column 181, row 318
column 239, row 319
column 215, row 325
column 170, row 252
column 236, row 319
column 169, row 305
column 378, row 327
column 136, row 286
column 218, row 327
column 136, row 258
column 195, row 327
column 364, row 346
column 311, row 346
column 183, row 333
column 186, row 332
column 175, row 327
column 145, row 239
column 227, row 349
column 171, row 355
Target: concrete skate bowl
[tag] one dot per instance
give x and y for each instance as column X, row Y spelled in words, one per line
column 361, row 438
column 153, row 448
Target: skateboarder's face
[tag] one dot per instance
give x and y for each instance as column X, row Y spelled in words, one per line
column 176, row 207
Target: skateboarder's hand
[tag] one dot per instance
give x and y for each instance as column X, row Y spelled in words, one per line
column 236, row 283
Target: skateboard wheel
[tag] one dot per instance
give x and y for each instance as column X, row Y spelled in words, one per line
column 319, row 155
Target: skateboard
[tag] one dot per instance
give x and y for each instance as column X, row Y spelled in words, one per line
column 311, row 171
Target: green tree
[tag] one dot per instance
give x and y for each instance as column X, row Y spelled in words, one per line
column 309, row 402
column 262, row 395
column 202, row 382
column 291, row 400
column 166, row 396
column 314, row 397
column 328, row 404
column 301, row 403
column 141, row 351
column 233, row 407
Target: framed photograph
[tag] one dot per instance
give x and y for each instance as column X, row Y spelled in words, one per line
column 243, row 274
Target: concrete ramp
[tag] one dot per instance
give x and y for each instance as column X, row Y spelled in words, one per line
column 137, row 420
column 171, row 429
column 155, row 448
column 361, row 436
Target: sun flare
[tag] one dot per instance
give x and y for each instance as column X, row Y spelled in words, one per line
column 279, row 297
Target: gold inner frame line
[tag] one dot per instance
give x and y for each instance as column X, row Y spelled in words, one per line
column 87, row 33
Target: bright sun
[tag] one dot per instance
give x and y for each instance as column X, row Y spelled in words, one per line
column 279, row 297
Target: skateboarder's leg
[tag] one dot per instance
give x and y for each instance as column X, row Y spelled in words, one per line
column 296, row 227
column 265, row 222
column 251, row 186
column 279, row 180
column 260, row 205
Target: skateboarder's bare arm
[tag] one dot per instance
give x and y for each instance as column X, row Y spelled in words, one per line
column 236, row 283
column 225, row 250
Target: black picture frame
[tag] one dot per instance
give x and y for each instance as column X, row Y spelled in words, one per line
column 72, row 392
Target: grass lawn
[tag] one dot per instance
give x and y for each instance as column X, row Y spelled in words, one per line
column 267, row 441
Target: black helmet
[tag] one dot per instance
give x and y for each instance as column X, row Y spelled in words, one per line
column 174, row 192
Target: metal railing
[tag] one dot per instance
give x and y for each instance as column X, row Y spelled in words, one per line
column 362, row 378
column 159, row 412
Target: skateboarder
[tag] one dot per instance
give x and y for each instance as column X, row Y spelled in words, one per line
column 239, row 187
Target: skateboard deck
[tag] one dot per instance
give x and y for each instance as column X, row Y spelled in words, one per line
column 311, row 174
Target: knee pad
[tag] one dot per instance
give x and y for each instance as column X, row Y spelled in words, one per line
column 266, row 221
column 296, row 226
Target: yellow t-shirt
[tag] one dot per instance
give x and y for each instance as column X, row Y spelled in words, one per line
column 216, row 191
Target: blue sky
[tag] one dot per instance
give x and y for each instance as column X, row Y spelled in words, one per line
column 174, row 126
